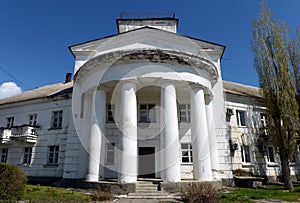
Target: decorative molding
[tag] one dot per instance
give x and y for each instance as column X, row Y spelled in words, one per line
column 154, row 56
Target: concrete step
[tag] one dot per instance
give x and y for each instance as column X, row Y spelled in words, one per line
column 147, row 194
column 146, row 190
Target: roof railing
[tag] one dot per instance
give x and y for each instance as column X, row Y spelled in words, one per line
column 145, row 15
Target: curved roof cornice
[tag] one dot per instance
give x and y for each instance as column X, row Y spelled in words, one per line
column 154, row 56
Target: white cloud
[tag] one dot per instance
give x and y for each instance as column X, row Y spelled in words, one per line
column 8, row 89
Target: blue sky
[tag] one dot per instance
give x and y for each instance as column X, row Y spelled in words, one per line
column 35, row 34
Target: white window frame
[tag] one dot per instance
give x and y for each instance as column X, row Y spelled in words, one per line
column 27, row 155
column 10, row 121
column 150, row 108
column 57, row 119
column 184, row 113
column 241, row 122
column 110, row 149
column 53, row 155
column 270, row 158
column 110, row 113
column 245, row 148
column 32, row 119
column 186, row 153
column 263, row 120
column 4, row 155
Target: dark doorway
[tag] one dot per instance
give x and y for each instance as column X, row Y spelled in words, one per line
column 146, row 162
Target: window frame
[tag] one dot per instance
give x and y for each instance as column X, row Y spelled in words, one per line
column 184, row 111
column 57, row 119
column 53, row 155
column 147, row 112
column 241, row 122
column 110, row 109
column 10, row 121
column 268, row 154
column 4, row 155
column 32, row 119
column 189, row 151
column 110, row 148
column 244, row 155
column 27, row 156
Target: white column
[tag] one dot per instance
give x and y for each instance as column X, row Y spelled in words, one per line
column 170, row 146
column 98, row 109
column 128, row 141
column 200, row 140
column 212, row 139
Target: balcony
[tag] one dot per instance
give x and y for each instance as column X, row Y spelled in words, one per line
column 5, row 135
column 263, row 133
column 26, row 133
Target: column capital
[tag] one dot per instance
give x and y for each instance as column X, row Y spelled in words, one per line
column 103, row 88
column 133, row 80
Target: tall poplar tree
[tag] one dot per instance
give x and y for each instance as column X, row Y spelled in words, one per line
column 277, row 64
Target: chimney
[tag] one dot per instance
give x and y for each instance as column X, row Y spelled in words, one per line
column 68, row 77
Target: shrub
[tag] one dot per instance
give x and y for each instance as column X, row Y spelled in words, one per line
column 199, row 193
column 102, row 194
column 12, row 182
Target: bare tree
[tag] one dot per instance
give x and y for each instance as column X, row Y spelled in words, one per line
column 277, row 64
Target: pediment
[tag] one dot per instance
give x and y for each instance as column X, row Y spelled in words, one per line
column 147, row 37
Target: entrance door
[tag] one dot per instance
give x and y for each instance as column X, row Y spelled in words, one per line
column 146, row 162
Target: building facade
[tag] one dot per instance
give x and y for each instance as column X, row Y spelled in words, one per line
column 145, row 103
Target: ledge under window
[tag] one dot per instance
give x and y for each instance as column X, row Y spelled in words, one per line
column 50, row 165
column 247, row 165
column 55, row 128
column 24, row 165
column 272, row 164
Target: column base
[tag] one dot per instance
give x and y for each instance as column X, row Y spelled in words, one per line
column 92, row 178
column 128, row 179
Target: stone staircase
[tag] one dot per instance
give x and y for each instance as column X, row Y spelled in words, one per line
column 148, row 190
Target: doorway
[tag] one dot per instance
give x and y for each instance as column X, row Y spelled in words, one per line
column 146, row 162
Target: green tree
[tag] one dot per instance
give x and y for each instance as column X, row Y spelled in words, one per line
column 277, row 61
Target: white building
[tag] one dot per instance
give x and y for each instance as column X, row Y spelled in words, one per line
column 146, row 102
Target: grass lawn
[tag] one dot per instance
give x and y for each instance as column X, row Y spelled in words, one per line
column 47, row 194
column 40, row 194
column 270, row 192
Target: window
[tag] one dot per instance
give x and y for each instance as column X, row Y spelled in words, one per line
column 110, row 112
column 82, row 105
column 110, row 153
column 270, row 153
column 245, row 150
column 53, row 152
column 27, row 155
column 263, row 120
column 186, row 153
column 184, row 113
column 32, row 119
column 147, row 113
column 241, row 118
column 56, row 120
column 4, row 153
column 10, row 122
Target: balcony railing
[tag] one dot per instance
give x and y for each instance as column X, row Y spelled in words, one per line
column 5, row 135
column 26, row 133
column 263, row 133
